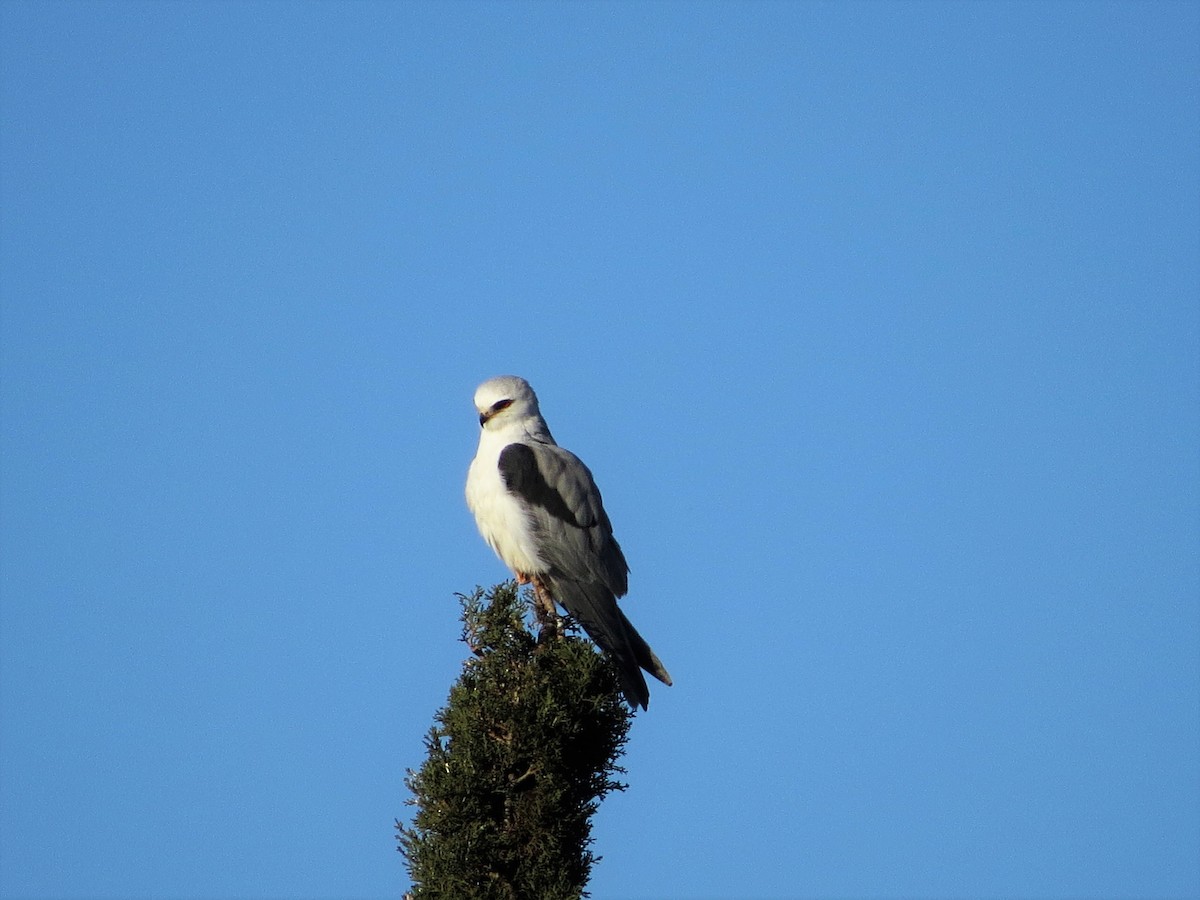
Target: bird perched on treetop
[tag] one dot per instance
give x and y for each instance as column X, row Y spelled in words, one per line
column 538, row 507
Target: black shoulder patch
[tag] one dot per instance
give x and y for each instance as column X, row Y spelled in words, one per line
column 519, row 469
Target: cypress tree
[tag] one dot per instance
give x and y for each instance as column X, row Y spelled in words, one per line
column 518, row 761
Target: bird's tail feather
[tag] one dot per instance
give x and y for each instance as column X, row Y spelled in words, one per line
column 646, row 658
column 595, row 608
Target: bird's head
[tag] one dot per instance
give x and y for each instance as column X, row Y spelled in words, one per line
column 506, row 399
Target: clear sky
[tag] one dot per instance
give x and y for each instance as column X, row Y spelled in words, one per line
column 879, row 325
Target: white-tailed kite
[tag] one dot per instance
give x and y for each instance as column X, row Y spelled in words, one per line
column 538, row 507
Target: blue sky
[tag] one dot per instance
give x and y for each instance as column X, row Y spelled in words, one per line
column 879, row 325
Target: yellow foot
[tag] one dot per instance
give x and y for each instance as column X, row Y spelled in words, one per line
column 543, row 608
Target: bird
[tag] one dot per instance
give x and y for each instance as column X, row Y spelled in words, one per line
column 538, row 507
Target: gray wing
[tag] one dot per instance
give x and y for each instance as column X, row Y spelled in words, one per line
column 568, row 514
column 587, row 567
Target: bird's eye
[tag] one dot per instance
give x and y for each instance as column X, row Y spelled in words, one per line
column 501, row 404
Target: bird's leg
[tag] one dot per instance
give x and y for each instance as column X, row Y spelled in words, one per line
column 543, row 609
column 522, row 578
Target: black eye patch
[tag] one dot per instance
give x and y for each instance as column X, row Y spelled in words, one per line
column 501, row 404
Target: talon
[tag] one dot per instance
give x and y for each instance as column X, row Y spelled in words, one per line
column 543, row 607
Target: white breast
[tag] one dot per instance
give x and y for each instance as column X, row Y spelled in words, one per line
column 501, row 517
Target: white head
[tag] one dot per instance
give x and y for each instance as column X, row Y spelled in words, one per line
column 505, row 401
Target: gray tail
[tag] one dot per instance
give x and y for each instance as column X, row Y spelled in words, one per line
column 595, row 608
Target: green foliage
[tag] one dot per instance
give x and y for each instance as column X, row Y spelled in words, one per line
column 519, row 759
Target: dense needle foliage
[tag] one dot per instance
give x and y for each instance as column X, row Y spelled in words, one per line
column 518, row 760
